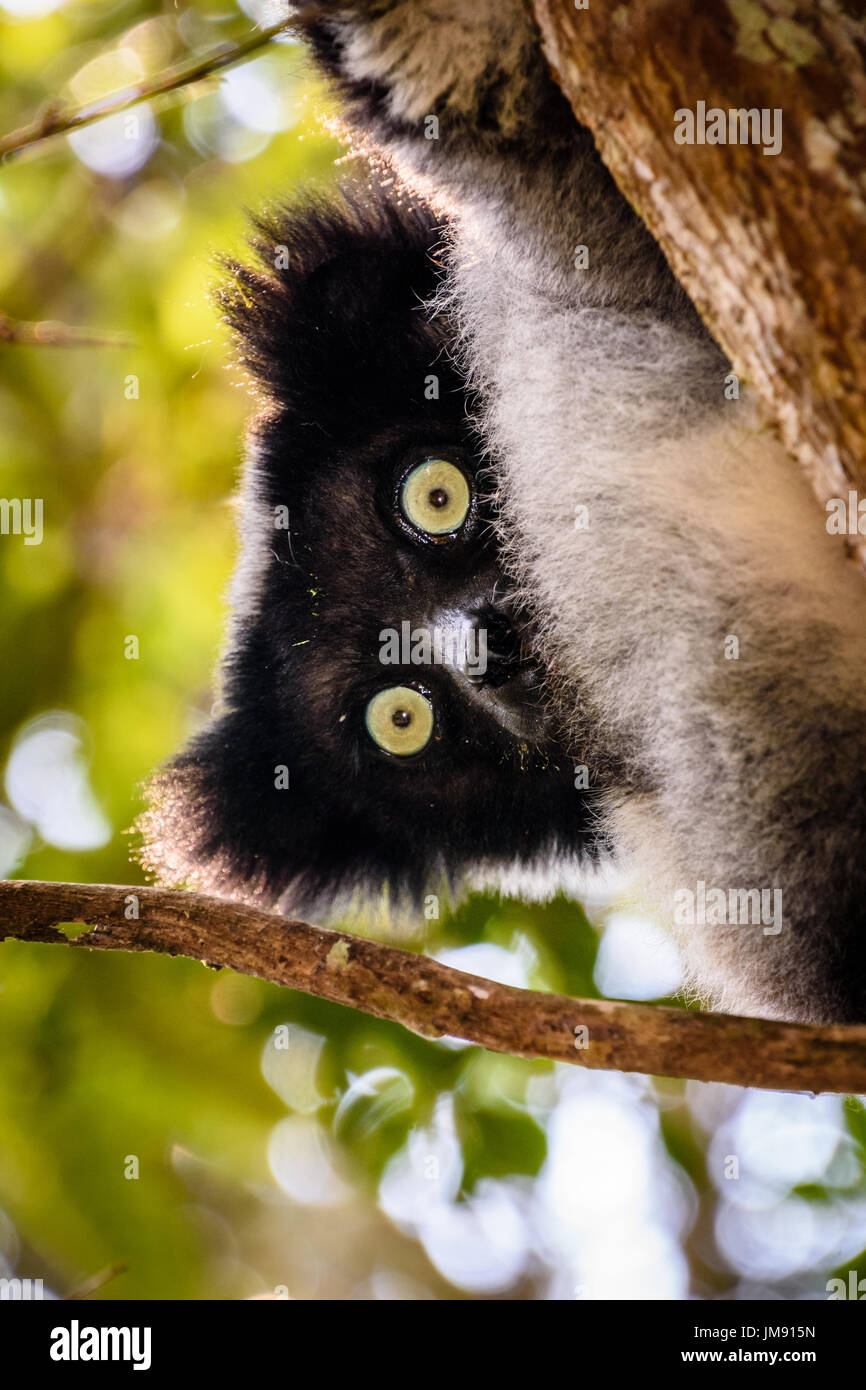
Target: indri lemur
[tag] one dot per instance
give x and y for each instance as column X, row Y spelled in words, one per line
column 341, row 763
column 704, row 637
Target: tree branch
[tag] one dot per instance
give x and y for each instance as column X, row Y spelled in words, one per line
column 771, row 248
column 96, row 1281
column 49, row 333
column 57, row 120
column 435, row 1000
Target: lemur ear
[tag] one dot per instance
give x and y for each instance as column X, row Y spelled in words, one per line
column 342, row 282
column 223, row 817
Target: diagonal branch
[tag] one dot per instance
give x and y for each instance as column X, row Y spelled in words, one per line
column 58, row 120
column 436, row 1000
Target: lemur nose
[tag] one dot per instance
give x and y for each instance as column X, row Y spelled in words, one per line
column 505, row 654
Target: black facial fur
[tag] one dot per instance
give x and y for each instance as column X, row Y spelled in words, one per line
column 359, row 392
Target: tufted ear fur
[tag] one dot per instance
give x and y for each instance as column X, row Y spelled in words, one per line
column 241, row 814
column 343, row 285
column 215, row 821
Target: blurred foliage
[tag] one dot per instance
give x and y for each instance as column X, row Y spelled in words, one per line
column 147, row 1112
column 107, row 1057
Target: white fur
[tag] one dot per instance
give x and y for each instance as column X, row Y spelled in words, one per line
column 700, row 527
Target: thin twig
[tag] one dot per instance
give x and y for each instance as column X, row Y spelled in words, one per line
column 435, row 1000
column 56, row 119
column 49, row 333
column 96, row 1281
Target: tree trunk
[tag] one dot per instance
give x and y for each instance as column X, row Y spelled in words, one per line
column 770, row 247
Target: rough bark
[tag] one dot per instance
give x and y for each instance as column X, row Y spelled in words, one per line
column 436, row 1000
column 771, row 248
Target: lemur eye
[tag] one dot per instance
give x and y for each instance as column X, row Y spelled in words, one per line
column 435, row 497
column 400, row 720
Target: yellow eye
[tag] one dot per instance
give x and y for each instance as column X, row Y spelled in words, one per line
column 400, row 720
column 436, row 497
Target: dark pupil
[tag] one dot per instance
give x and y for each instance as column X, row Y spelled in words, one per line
column 438, row 497
column 401, row 718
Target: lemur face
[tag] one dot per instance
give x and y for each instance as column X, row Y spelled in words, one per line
column 410, row 625
column 385, row 725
